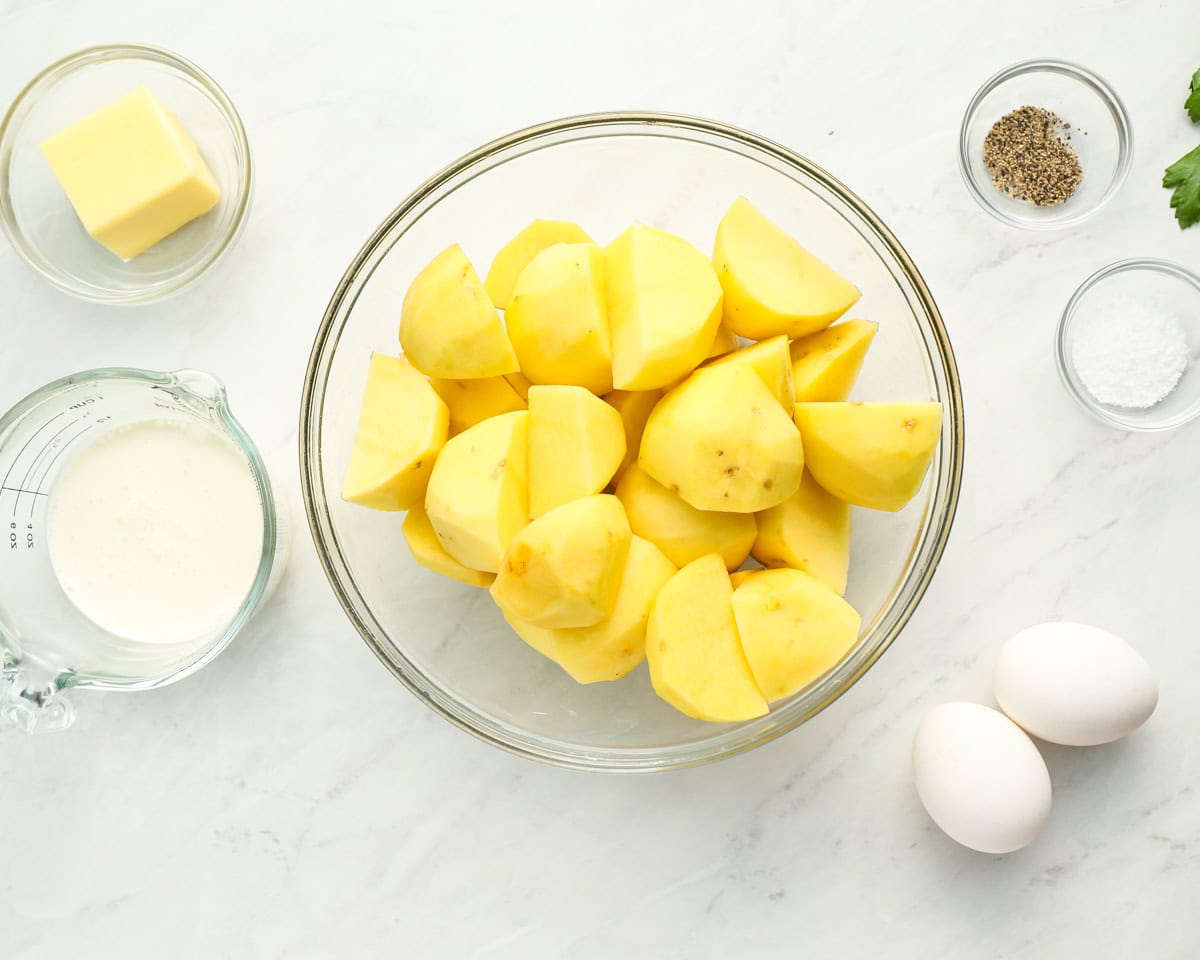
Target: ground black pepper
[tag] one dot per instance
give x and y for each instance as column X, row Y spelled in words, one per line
column 1028, row 155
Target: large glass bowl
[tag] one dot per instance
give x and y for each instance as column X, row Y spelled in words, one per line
column 445, row 641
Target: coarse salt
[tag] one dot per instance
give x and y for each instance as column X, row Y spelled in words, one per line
column 1129, row 352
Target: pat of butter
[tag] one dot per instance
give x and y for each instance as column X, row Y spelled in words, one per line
column 132, row 173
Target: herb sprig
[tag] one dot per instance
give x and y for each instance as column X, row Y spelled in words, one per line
column 1183, row 176
column 1192, row 103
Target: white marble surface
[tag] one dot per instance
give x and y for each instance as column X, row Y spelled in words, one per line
column 294, row 801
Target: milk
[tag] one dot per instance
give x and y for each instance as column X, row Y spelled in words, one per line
column 155, row 531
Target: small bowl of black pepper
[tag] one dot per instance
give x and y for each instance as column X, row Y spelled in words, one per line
column 1044, row 144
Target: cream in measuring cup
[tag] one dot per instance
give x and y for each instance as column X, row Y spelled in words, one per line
column 155, row 531
column 142, row 534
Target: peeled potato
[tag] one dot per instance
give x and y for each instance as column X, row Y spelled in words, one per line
column 427, row 550
column 722, row 442
column 520, row 383
column 738, row 577
column 681, row 531
column 565, row 567
column 576, row 443
column 558, row 318
column 793, row 628
column 634, row 406
column 478, row 496
column 826, row 364
column 809, row 531
column 726, row 341
column 772, row 362
column 772, row 285
column 448, row 326
column 692, row 646
column 611, row 648
column 402, row 425
column 664, row 304
column 515, row 255
column 870, row 454
column 470, row 401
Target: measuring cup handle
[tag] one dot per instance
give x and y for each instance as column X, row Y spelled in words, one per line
column 33, row 708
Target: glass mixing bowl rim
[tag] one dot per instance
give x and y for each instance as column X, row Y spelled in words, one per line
column 1110, row 416
column 983, row 193
column 208, row 390
column 557, row 752
column 25, row 101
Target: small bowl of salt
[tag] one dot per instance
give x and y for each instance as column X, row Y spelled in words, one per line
column 1129, row 342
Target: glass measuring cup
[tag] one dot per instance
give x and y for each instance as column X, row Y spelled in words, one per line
column 46, row 643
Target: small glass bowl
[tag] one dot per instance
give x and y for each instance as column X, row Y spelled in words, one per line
column 1100, row 134
column 38, row 218
column 1167, row 284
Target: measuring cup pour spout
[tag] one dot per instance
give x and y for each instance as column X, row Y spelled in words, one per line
column 201, row 384
column 31, row 704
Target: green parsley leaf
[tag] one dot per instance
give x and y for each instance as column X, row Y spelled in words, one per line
column 1192, row 104
column 1184, row 177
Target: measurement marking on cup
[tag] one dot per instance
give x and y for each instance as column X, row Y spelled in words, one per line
column 17, row 459
column 53, row 461
column 14, row 537
column 29, row 473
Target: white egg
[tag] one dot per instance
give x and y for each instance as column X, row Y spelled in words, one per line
column 1074, row 684
column 980, row 777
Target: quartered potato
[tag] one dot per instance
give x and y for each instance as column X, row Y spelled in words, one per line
column 664, row 305
column 448, row 326
column 772, row 285
column 478, row 496
column 565, row 567
column 696, row 660
column 576, row 444
column 515, row 255
column 558, row 318
column 607, row 650
column 402, row 425
column 870, row 454
column 722, row 442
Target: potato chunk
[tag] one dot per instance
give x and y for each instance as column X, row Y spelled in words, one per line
column 664, row 304
column 576, row 443
column 402, row 425
column 564, row 568
column 809, row 531
column 726, row 341
column 826, row 364
column 611, row 648
column 793, row 628
column 870, row 454
column 738, row 577
column 478, row 496
column 681, row 531
column 772, row 361
column 520, row 383
column 634, row 406
column 472, row 401
column 448, row 326
column 558, row 318
column 722, row 442
column 515, row 255
column 772, row 285
column 692, row 646
column 427, row 550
